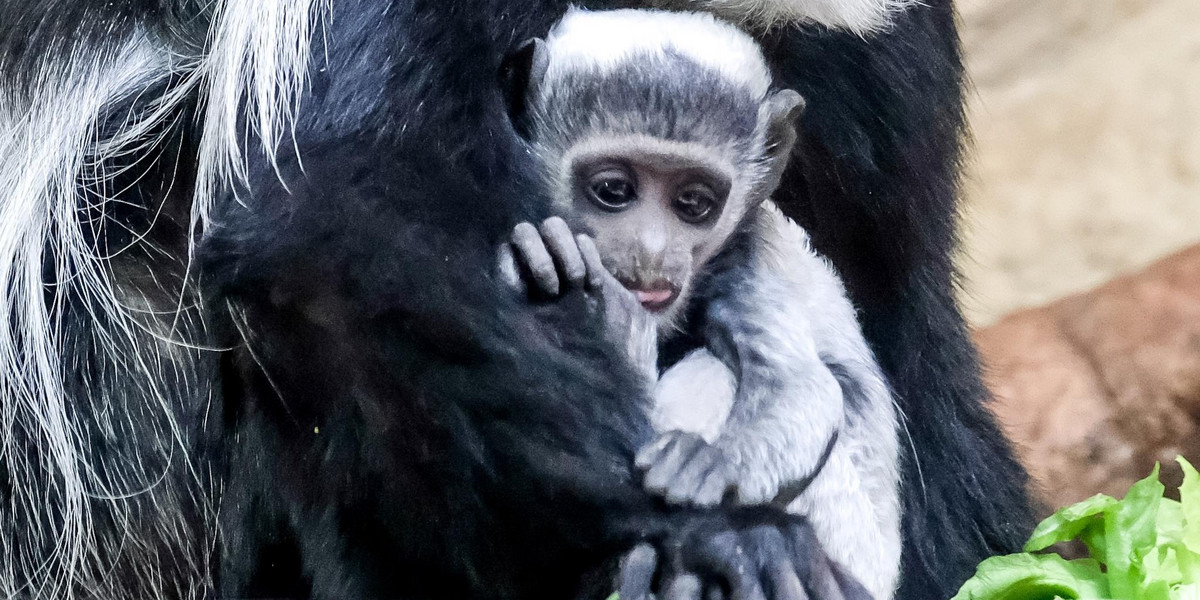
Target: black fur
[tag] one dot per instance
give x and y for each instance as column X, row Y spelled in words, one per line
column 392, row 424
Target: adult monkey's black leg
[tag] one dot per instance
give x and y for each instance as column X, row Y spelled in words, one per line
column 875, row 180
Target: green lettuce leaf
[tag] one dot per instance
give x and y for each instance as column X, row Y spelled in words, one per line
column 1143, row 547
column 1130, row 534
column 1171, row 524
column 1093, row 537
column 1188, row 563
column 1035, row 577
column 1189, row 500
column 1190, row 591
column 1162, row 565
column 1069, row 522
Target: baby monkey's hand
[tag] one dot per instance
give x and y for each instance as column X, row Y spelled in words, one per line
column 546, row 261
column 549, row 256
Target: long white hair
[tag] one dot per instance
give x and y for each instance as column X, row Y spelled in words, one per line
column 57, row 151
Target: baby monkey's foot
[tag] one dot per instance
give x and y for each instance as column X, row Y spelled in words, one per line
column 684, row 469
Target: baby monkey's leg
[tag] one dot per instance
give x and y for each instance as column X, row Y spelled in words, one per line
column 692, row 400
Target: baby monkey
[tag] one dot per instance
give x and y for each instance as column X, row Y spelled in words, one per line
column 660, row 135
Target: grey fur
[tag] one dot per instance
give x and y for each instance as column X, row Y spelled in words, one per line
column 786, row 394
column 786, row 331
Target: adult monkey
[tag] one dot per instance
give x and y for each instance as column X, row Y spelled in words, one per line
column 377, row 426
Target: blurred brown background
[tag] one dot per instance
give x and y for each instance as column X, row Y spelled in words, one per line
column 1086, row 170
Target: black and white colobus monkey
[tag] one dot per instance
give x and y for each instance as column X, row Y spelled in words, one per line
column 249, row 346
column 659, row 134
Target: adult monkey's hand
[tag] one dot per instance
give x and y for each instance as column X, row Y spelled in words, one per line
column 748, row 556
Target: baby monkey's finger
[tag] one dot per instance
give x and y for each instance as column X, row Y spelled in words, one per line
column 649, row 454
column 596, row 273
column 532, row 249
column 508, row 269
column 691, row 476
column 682, row 449
column 565, row 249
column 716, row 483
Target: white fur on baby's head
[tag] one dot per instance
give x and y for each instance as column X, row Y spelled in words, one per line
column 605, row 39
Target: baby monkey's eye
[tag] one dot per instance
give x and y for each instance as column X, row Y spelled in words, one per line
column 696, row 203
column 612, row 189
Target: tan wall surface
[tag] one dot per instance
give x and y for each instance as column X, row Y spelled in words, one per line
column 1086, row 165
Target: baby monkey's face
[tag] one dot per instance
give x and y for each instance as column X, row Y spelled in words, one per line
column 658, row 212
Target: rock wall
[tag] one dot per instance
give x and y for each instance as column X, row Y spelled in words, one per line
column 1096, row 387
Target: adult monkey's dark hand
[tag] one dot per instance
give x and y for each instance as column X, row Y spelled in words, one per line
column 735, row 559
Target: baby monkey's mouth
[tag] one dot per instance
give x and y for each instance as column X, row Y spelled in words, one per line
column 655, row 296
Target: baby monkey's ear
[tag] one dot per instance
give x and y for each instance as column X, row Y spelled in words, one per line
column 781, row 111
column 521, row 74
